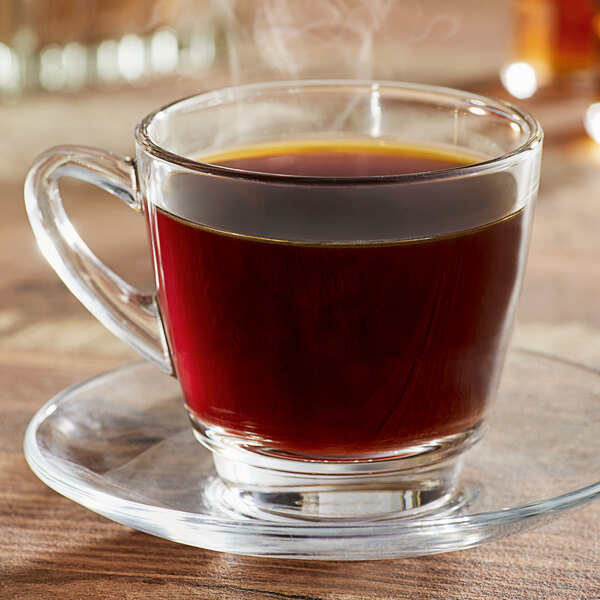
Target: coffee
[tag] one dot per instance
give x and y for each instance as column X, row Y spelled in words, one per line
column 336, row 333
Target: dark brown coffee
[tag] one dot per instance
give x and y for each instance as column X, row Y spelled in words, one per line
column 348, row 346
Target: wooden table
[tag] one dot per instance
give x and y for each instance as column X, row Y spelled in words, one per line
column 52, row 548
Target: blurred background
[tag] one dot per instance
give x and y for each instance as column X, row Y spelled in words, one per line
column 524, row 49
column 63, row 45
column 66, row 45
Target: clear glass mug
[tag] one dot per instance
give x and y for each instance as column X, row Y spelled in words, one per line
column 338, row 340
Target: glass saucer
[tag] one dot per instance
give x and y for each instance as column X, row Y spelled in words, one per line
column 121, row 445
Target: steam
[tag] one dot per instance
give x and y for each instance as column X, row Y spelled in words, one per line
column 335, row 26
column 299, row 39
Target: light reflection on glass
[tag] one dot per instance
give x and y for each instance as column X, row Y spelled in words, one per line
column 375, row 109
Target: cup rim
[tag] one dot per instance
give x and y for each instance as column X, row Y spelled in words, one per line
column 468, row 99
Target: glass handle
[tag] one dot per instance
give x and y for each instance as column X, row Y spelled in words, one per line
column 126, row 311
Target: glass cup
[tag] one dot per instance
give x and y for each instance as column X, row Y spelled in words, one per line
column 338, row 339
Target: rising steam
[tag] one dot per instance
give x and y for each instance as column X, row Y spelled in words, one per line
column 299, row 39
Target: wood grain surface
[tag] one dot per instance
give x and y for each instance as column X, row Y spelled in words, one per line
column 52, row 548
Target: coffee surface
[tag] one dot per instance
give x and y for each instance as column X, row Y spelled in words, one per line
column 352, row 158
column 329, row 204
column 342, row 349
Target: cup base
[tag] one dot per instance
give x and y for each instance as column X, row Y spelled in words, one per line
column 260, row 483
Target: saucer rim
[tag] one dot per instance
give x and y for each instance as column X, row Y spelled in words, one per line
column 124, row 510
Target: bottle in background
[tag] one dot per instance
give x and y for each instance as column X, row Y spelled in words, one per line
column 555, row 47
